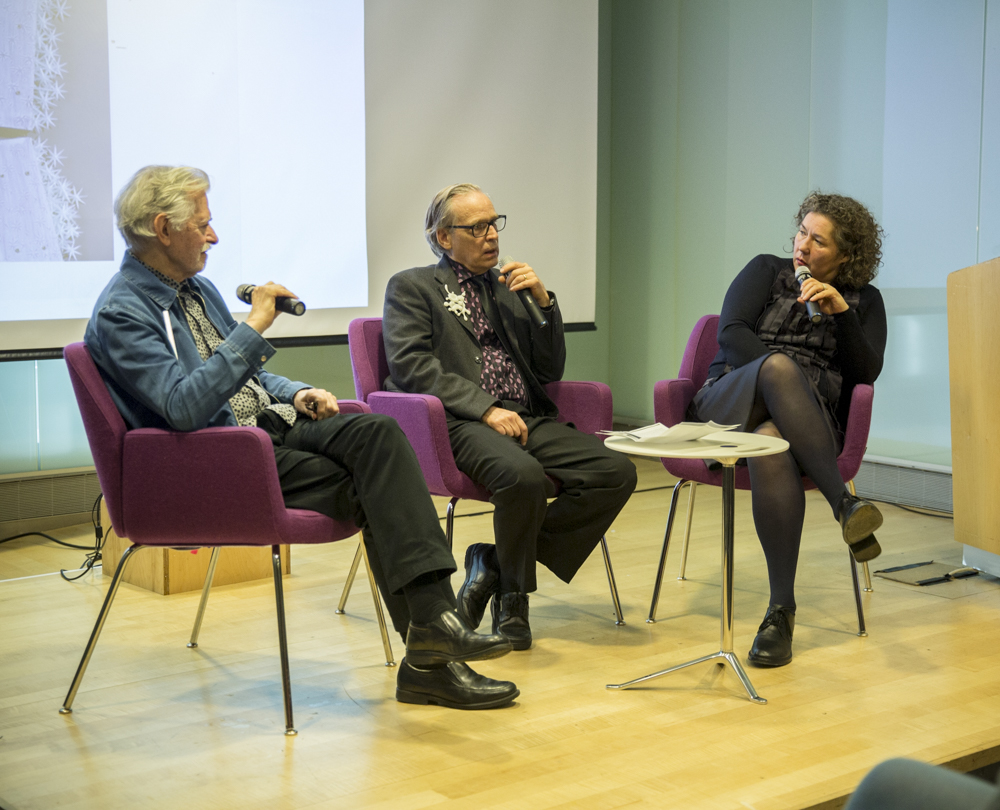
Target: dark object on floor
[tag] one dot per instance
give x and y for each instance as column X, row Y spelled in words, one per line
column 903, row 784
column 926, row 573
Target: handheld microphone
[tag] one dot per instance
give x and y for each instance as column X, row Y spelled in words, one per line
column 530, row 304
column 812, row 309
column 293, row 306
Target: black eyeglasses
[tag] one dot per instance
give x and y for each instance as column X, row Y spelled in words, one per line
column 480, row 229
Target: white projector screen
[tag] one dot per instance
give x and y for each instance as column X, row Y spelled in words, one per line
column 326, row 127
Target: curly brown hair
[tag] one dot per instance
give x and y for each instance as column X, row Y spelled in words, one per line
column 857, row 234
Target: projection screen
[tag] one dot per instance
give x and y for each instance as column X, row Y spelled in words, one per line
column 326, row 127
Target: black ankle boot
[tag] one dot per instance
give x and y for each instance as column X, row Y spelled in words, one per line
column 510, row 618
column 773, row 645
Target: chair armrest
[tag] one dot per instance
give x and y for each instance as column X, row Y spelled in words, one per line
column 210, row 487
column 671, row 399
column 587, row 405
column 353, row 406
column 422, row 419
column 859, row 420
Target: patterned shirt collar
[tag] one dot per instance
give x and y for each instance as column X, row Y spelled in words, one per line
column 461, row 271
column 176, row 285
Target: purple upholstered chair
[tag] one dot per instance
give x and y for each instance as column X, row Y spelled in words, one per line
column 670, row 402
column 227, row 479
column 586, row 404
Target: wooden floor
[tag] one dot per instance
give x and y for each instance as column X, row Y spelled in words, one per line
column 157, row 725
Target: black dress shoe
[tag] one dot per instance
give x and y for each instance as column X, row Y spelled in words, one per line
column 858, row 520
column 455, row 686
column 447, row 640
column 866, row 549
column 482, row 581
column 773, row 645
column 510, row 617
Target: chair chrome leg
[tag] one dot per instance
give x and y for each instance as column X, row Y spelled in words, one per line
column 862, row 630
column 286, row 675
column 619, row 619
column 379, row 614
column 350, row 579
column 449, row 524
column 209, row 576
column 67, row 707
column 692, row 488
column 663, row 554
column 864, row 566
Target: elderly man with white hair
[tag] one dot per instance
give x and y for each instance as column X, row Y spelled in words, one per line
column 456, row 330
column 173, row 357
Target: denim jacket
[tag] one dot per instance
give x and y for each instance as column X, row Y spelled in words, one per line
column 155, row 375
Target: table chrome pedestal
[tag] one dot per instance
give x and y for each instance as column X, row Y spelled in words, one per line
column 742, row 445
column 724, row 655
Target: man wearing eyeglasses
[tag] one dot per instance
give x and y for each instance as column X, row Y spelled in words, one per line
column 456, row 330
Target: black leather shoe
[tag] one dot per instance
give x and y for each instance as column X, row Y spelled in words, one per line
column 455, row 686
column 482, row 581
column 447, row 640
column 510, row 617
column 858, row 520
column 773, row 645
column 866, row 549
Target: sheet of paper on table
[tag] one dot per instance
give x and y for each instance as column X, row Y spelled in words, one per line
column 681, row 432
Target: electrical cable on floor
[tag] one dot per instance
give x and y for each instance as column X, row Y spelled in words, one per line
column 919, row 510
column 94, row 556
column 47, row 537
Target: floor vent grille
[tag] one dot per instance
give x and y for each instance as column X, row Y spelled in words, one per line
column 47, row 495
column 905, row 484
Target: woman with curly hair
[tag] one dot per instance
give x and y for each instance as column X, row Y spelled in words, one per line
column 781, row 374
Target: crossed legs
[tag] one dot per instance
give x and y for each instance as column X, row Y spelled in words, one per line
column 360, row 467
column 594, row 484
column 784, row 406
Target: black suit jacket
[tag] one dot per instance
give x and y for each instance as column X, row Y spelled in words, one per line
column 433, row 350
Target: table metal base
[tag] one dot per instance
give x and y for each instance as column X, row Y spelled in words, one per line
column 724, row 655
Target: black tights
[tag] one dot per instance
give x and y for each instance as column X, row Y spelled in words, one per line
column 784, row 406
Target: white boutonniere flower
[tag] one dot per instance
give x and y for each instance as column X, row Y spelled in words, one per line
column 456, row 303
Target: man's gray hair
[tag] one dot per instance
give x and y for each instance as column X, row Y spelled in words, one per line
column 439, row 212
column 154, row 190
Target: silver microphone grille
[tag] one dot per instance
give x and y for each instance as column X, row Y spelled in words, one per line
column 505, row 261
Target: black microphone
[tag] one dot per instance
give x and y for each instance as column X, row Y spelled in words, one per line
column 812, row 309
column 530, row 304
column 282, row 303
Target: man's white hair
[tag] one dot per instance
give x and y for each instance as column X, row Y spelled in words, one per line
column 439, row 212
column 154, row 190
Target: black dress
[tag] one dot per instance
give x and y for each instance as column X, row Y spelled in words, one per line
column 761, row 315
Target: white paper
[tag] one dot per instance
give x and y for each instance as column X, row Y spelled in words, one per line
column 681, row 432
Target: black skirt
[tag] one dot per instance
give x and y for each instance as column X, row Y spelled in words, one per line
column 728, row 400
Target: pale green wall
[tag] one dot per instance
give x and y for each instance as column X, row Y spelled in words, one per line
column 725, row 113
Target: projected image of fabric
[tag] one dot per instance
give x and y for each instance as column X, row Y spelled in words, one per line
column 39, row 207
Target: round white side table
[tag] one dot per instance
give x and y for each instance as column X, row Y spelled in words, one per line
column 727, row 447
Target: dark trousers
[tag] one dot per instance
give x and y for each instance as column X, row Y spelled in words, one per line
column 360, row 467
column 594, row 483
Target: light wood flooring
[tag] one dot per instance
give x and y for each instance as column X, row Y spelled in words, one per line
column 157, row 725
